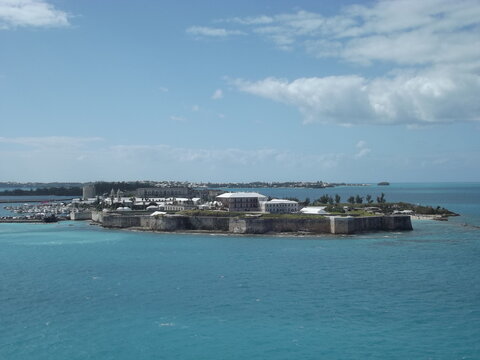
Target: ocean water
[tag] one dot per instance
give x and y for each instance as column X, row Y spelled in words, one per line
column 74, row 291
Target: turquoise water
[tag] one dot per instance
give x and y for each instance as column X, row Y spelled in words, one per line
column 75, row 291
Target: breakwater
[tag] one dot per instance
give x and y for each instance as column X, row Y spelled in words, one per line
column 254, row 225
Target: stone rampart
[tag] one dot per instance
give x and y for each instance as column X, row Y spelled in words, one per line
column 120, row 221
column 80, row 215
column 209, row 223
column 165, row 223
column 352, row 225
column 392, row 223
column 314, row 225
column 97, row 216
column 185, row 223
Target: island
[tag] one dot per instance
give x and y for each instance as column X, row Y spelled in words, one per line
column 179, row 208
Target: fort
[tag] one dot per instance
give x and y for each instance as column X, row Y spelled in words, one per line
column 312, row 224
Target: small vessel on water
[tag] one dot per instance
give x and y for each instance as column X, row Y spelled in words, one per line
column 50, row 219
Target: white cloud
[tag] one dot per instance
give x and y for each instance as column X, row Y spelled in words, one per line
column 177, row 118
column 232, row 156
column 163, row 89
column 438, row 95
column 203, row 31
column 218, row 94
column 254, row 20
column 363, row 150
column 431, row 46
column 79, row 159
column 195, row 108
column 50, row 142
column 400, row 32
column 36, row 13
column 361, row 144
column 362, row 153
column 86, row 159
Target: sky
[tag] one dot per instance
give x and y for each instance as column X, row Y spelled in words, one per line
column 304, row 90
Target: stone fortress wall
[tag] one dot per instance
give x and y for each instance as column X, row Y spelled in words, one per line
column 315, row 225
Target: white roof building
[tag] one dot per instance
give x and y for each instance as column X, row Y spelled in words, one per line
column 158, row 213
column 314, row 210
column 279, row 206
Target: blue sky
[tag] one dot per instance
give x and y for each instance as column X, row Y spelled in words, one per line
column 240, row 90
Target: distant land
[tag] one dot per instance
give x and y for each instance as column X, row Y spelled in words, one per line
column 54, row 190
column 276, row 184
column 36, row 185
column 75, row 188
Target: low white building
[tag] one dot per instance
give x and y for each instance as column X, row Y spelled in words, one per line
column 124, row 208
column 178, row 200
column 158, row 213
column 171, row 207
column 279, row 206
column 403, row 212
column 314, row 210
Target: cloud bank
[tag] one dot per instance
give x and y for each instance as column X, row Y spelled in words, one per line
column 87, row 159
column 408, row 97
column 431, row 49
column 51, row 142
column 204, row 31
column 217, row 94
column 401, row 31
column 82, row 157
column 34, row 13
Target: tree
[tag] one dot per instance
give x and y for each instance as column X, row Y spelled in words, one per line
column 351, row 200
column 307, row 201
column 337, row 199
column 330, row 200
column 358, row 199
column 369, row 198
column 324, row 199
column 381, row 199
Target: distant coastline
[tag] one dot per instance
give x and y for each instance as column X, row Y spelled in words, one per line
column 75, row 189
